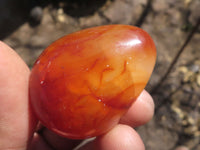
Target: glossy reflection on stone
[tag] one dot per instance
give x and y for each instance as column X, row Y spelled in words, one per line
column 84, row 82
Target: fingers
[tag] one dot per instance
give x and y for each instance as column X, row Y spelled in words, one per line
column 140, row 112
column 122, row 137
column 16, row 119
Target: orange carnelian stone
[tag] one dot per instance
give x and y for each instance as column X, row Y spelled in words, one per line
column 84, row 82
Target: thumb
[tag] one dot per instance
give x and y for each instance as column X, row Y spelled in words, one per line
column 17, row 122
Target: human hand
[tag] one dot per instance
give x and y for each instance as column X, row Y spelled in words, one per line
column 18, row 123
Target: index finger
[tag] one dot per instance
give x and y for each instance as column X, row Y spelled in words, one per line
column 141, row 111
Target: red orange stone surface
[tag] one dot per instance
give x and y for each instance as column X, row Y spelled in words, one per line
column 84, row 82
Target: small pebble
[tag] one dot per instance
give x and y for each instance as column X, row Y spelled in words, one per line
column 181, row 148
column 194, row 68
column 36, row 14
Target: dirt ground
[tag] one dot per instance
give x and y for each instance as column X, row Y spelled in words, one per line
column 30, row 26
